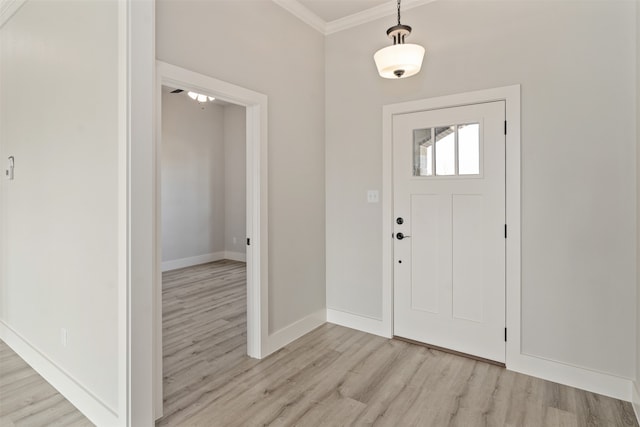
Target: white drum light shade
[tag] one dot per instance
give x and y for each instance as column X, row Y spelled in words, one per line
column 391, row 59
column 402, row 59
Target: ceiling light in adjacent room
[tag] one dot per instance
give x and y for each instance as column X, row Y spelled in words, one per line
column 199, row 97
column 402, row 59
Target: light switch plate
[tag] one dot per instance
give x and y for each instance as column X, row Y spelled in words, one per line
column 9, row 171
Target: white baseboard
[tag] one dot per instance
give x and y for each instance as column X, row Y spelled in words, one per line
column 235, row 256
column 202, row 259
column 582, row 378
column 597, row 382
column 355, row 321
column 635, row 400
column 193, row 260
column 286, row 335
column 94, row 409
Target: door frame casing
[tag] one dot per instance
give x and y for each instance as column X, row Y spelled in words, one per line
column 511, row 96
column 256, row 209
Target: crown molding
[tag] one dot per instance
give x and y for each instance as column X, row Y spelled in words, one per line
column 8, row 8
column 368, row 15
column 307, row 16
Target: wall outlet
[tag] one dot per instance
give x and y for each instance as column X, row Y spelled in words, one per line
column 64, row 336
column 373, row 196
column 235, row 240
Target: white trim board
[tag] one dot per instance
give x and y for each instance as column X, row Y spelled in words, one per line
column 290, row 333
column 91, row 406
column 358, row 322
column 314, row 21
column 516, row 360
column 574, row 376
column 303, row 13
column 175, row 264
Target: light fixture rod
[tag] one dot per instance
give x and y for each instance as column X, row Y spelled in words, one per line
column 398, row 12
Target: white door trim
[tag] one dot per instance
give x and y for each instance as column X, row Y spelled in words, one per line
column 257, row 251
column 510, row 94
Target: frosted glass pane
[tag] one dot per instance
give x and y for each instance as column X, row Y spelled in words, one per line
column 422, row 152
column 445, row 151
column 469, row 149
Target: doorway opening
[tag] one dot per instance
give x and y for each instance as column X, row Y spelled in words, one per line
column 203, row 189
column 193, row 239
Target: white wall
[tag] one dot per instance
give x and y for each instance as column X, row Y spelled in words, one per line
column 193, row 178
column 203, row 181
column 260, row 46
column 576, row 64
column 59, row 102
column 235, row 200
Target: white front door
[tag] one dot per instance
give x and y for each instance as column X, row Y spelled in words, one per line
column 449, row 214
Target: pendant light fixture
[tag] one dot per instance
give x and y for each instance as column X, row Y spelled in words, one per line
column 402, row 59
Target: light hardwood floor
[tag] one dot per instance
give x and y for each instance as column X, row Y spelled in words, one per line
column 333, row 376
column 27, row 400
column 337, row 376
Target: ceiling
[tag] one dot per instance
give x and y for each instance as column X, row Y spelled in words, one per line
column 331, row 16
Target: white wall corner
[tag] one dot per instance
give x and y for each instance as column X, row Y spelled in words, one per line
column 235, row 256
column 302, row 13
column 85, row 401
column 361, row 323
column 288, row 334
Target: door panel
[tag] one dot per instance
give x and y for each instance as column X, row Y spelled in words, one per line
column 424, row 293
column 467, row 256
column 449, row 275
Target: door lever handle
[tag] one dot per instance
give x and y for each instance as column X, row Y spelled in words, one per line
column 401, row 236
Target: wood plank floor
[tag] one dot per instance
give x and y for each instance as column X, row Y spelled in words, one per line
column 27, row 400
column 336, row 376
column 333, row 376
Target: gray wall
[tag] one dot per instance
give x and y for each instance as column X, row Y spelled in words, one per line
column 203, row 179
column 235, row 202
column 260, row 46
column 60, row 262
column 193, row 193
column 576, row 64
